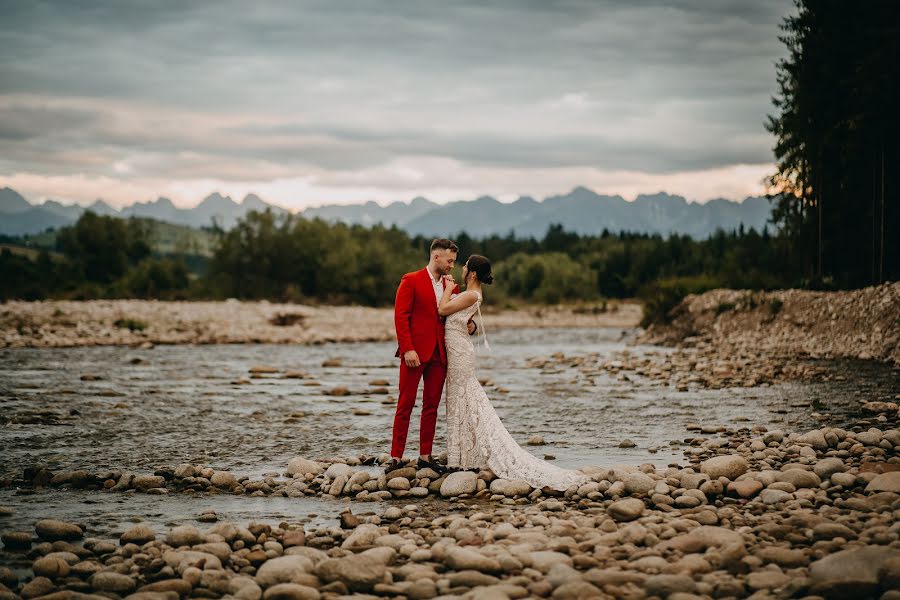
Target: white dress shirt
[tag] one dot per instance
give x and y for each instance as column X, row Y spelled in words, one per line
column 438, row 286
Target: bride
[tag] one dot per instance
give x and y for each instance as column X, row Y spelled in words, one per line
column 476, row 437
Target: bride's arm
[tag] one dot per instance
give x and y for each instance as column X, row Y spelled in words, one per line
column 448, row 306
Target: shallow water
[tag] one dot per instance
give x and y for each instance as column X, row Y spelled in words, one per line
column 173, row 404
column 179, row 404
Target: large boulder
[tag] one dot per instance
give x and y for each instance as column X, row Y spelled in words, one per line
column 338, row 470
column 139, row 534
column 116, row 583
column 284, row 569
column 461, row 482
column 303, row 466
column 852, row 573
column 638, row 483
column 628, row 509
column 886, row 482
column 363, row 537
column 730, row 466
column 799, row 478
column 184, row 535
column 52, row 530
column 359, row 572
column 510, row 487
column 462, row 559
column 814, row 438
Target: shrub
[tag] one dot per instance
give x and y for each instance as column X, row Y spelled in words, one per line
column 724, row 307
column 661, row 296
column 130, row 324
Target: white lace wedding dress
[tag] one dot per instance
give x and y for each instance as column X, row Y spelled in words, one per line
column 476, row 437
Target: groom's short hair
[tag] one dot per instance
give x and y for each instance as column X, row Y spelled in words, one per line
column 444, row 244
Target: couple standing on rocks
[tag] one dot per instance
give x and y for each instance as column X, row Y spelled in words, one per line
column 433, row 321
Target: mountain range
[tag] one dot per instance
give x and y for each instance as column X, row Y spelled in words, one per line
column 581, row 210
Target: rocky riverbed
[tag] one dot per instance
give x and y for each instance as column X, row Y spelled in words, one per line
column 756, row 513
column 145, row 322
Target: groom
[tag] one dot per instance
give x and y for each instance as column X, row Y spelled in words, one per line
column 420, row 337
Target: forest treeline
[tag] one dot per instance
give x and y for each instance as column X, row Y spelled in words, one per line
column 837, row 132
column 289, row 258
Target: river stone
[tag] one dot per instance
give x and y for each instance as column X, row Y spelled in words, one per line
column 510, row 487
column 220, row 550
column 461, row 482
column 638, row 483
column 773, row 496
column 746, row 488
column 461, row 559
column 800, row 478
column 224, row 479
column 886, row 482
column 814, row 438
column 731, row 466
column 398, row 483
column 665, row 585
column 363, row 536
column 545, row 560
column 291, row 591
column 139, row 534
column 359, row 572
column 470, row 578
column 784, row 557
column 51, row 567
column 53, row 529
column 871, row 437
column 626, row 510
column 829, row 531
column 107, row 581
column 338, row 470
column 179, row 586
column 692, row 481
column 849, row 573
column 134, row 596
column 39, row 586
column 16, row 539
column 284, row 569
column 767, row 579
column 184, row 535
column 148, row 482
column 180, row 560
column 303, row 466
column 827, row 467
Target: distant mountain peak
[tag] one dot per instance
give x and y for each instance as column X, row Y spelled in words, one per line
column 217, row 200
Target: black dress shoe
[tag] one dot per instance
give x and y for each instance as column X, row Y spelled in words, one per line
column 395, row 464
column 431, row 464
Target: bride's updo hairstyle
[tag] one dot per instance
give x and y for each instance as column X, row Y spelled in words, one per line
column 481, row 267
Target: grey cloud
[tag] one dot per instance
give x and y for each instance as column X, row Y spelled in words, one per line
column 406, row 66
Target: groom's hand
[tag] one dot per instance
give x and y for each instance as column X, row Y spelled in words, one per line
column 411, row 359
column 472, row 327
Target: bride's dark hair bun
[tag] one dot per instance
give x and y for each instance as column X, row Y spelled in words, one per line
column 481, row 266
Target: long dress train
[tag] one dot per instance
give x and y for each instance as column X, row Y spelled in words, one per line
column 476, row 437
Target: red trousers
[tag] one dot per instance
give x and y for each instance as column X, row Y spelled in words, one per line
column 434, row 372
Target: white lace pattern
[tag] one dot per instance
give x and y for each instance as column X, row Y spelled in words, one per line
column 476, row 436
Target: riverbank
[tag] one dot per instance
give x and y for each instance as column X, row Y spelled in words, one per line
column 728, row 338
column 144, row 322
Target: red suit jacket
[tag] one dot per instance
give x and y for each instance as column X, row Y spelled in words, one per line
column 416, row 319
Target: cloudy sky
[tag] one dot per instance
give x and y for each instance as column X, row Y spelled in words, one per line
column 306, row 103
